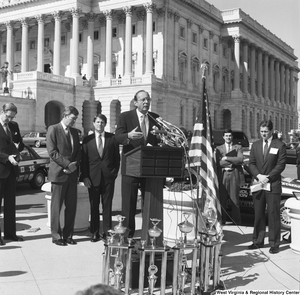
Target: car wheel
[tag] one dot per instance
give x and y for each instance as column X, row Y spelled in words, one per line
column 38, row 179
column 37, row 144
column 285, row 219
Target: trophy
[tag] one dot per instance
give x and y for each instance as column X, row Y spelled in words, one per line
column 185, row 227
column 112, row 234
column 154, row 232
column 120, row 229
column 152, row 278
column 211, row 217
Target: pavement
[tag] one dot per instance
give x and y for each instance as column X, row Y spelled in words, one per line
column 38, row 267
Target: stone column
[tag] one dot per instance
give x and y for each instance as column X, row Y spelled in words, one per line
column 252, row 71
column 24, row 56
column 75, row 42
column 245, row 67
column 236, row 62
column 266, row 76
column 277, row 81
column 291, row 99
column 128, row 41
column 9, row 44
column 149, row 38
column 176, row 19
column 40, row 42
column 282, row 82
column 188, row 46
column 287, row 88
column 57, row 43
column 259, row 73
column 69, row 26
column 90, row 45
column 272, row 77
column 108, row 50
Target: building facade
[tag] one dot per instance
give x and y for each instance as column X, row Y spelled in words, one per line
column 124, row 46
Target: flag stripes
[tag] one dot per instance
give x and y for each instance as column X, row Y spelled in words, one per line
column 202, row 155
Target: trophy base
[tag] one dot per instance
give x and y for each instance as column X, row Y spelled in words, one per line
column 158, row 259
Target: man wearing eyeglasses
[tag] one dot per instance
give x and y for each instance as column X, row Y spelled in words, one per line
column 64, row 151
column 10, row 146
column 266, row 163
column 133, row 130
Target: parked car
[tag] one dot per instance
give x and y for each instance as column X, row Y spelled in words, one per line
column 36, row 139
column 33, row 168
column 291, row 152
column 289, row 185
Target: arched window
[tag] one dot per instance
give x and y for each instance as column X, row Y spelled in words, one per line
column 216, row 75
column 195, row 65
column 182, row 63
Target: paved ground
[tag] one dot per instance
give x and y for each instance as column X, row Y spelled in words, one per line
column 38, row 267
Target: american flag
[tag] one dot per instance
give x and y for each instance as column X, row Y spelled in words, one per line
column 202, row 158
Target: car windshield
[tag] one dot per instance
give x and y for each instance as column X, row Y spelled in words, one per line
column 42, row 134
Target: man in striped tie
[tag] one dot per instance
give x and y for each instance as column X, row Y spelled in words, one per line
column 10, row 145
column 266, row 163
column 99, row 168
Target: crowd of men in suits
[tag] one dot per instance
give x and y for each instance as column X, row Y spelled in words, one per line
column 98, row 161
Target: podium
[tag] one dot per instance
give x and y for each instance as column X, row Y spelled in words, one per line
column 155, row 164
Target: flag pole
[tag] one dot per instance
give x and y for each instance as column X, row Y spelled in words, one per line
column 200, row 117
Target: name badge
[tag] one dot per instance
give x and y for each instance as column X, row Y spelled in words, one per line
column 273, row 151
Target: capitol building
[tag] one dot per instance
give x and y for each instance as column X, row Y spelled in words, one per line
column 97, row 54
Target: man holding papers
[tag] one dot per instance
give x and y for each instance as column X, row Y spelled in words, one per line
column 65, row 152
column 230, row 174
column 267, row 161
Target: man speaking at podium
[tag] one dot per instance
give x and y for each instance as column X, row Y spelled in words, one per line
column 133, row 130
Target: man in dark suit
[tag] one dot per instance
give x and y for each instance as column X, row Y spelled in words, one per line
column 230, row 174
column 133, row 130
column 100, row 164
column 10, row 146
column 267, row 161
column 64, row 150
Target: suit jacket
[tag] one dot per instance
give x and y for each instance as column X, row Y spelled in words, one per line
column 94, row 167
column 273, row 165
column 8, row 148
column 127, row 122
column 232, row 162
column 61, row 153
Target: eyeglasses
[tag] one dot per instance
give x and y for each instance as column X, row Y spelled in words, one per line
column 9, row 117
column 73, row 118
column 144, row 99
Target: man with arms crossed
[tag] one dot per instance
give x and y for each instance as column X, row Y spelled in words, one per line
column 230, row 173
column 100, row 165
column 134, row 129
column 267, row 161
column 64, row 150
column 10, row 146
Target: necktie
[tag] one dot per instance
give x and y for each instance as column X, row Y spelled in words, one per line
column 265, row 149
column 228, row 148
column 6, row 129
column 68, row 137
column 100, row 146
column 143, row 127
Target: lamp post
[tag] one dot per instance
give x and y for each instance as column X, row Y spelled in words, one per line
column 5, row 72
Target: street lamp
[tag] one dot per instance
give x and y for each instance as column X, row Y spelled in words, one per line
column 5, row 72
